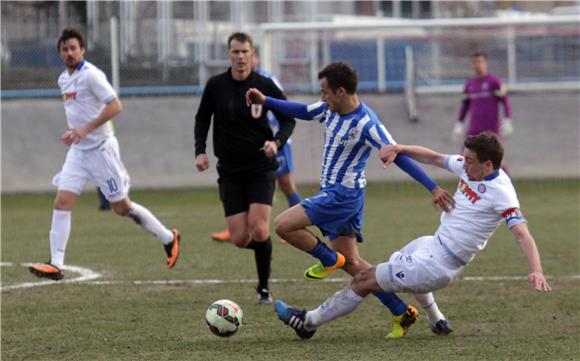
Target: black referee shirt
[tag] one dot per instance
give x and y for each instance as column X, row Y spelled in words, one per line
column 237, row 136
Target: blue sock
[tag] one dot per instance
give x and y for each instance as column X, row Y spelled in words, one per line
column 293, row 199
column 326, row 256
column 396, row 305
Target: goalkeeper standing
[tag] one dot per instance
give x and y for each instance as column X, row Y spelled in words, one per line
column 482, row 95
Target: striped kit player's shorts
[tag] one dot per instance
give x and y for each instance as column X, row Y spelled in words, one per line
column 102, row 165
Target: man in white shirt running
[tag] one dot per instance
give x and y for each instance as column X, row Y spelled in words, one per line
column 484, row 197
column 90, row 103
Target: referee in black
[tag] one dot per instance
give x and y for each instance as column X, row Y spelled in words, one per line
column 246, row 151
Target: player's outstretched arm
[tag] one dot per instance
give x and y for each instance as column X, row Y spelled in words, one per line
column 289, row 108
column 530, row 250
column 398, row 154
column 389, row 152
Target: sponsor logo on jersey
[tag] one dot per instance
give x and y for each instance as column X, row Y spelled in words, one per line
column 468, row 192
column 400, row 275
column 69, row 96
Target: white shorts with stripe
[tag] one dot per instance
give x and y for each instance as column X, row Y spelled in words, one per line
column 102, row 165
column 422, row 266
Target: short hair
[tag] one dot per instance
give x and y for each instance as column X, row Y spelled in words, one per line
column 71, row 33
column 241, row 37
column 486, row 146
column 340, row 74
column 478, row 54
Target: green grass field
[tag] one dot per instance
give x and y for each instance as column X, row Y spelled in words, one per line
column 125, row 319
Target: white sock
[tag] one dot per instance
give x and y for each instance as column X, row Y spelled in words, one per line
column 59, row 233
column 429, row 305
column 146, row 220
column 341, row 303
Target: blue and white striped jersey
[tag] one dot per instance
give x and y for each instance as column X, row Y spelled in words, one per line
column 348, row 141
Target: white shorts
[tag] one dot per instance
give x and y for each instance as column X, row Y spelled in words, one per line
column 421, row 266
column 101, row 165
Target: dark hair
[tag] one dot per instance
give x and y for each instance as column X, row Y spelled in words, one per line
column 71, row 33
column 241, row 37
column 340, row 74
column 486, row 146
column 478, row 54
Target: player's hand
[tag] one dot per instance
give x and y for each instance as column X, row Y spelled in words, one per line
column 388, row 153
column 67, row 137
column 201, row 162
column 254, row 96
column 458, row 132
column 270, row 148
column 442, row 199
column 538, row 281
column 73, row 136
column 507, row 127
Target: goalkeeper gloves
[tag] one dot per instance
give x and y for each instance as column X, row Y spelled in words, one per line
column 458, row 132
column 506, row 127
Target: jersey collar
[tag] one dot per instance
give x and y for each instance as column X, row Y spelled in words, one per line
column 80, row 66
column 491, row 176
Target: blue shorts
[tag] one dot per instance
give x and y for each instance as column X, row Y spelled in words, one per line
column 337, row 211
column 284, row 158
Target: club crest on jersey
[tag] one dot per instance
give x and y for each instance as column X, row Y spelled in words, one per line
column 352, row 134
column 481, row 188
column 468, row 192
column 69, row 96
column 256, row 110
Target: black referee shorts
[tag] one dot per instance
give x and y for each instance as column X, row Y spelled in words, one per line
column 237, row 193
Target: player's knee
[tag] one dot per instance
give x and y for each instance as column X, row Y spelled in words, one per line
column 120, row 209
column 354, row 265
column 63, row 203
column 282, row 226
column 363, row 282
column 259, row 232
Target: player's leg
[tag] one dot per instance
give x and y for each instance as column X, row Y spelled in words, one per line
column 288, row 187
column 342, row 302
column 284, row 174
column 108, row 172
column 261, row 243
column 291, row 226
column 70, row 182
column 339, row 304
column 148, row 222
column 404, row 315
column 58, row 236
column 439, row 324
column 259, row 193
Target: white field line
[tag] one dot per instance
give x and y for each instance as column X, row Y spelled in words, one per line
column 87, row 276
column 84, row 275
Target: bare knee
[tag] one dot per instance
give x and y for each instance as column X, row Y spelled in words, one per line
column 121, row 208
column 365, row 282
column 239, row 240
column 259, row 231
column 65, row 200
column 282, row 226
column 355, row 265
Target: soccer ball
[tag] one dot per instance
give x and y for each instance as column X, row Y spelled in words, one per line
column 224, row 318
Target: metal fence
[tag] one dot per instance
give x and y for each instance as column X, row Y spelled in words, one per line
column 530, row 53
column 174, row 47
